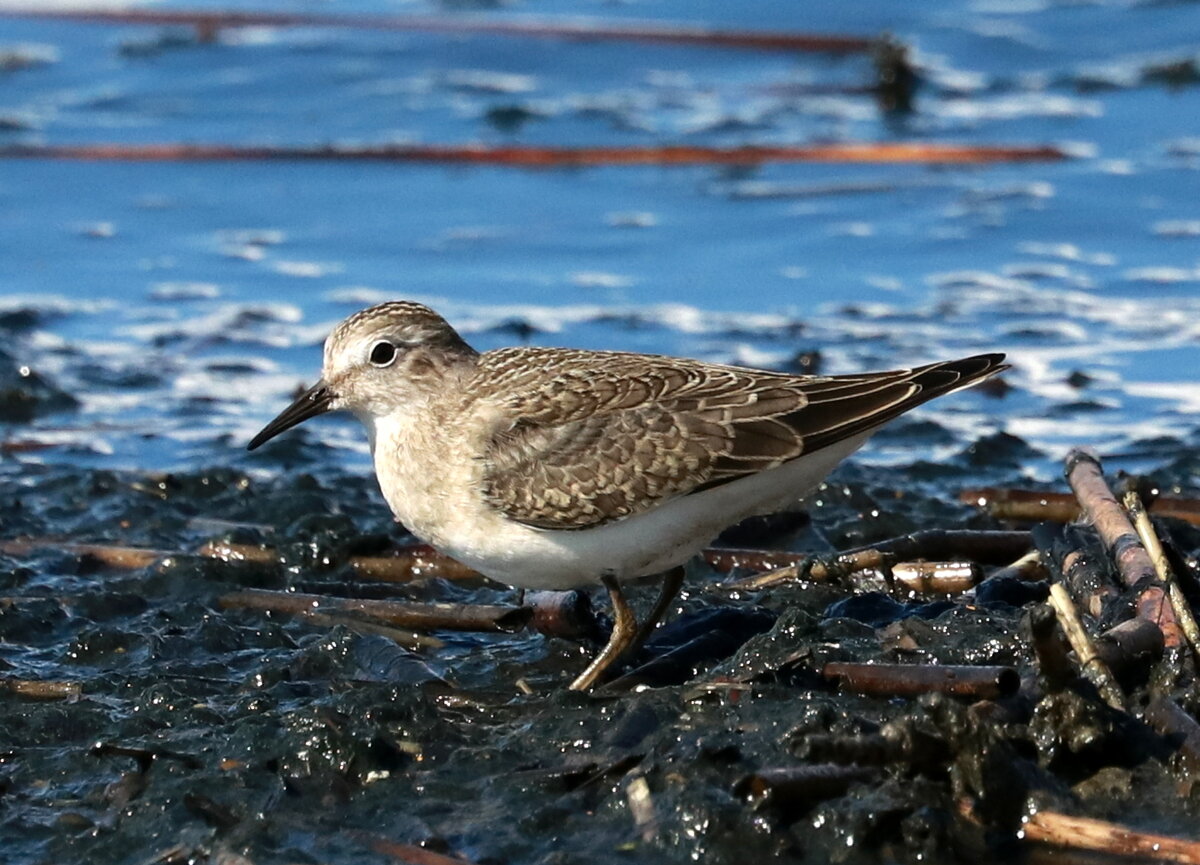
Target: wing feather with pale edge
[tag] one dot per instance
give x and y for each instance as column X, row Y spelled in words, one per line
column 609, row 435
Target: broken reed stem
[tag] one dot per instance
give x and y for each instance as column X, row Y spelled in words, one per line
column 1086, row 478
column 543, row 157
column 985, row 547
column 1035, row 506
column 1158, row 557
column 911, row 680
column 423, row 617
column 1085, row 833
column 210, row 22
column 1093, row 668
column 39, row 690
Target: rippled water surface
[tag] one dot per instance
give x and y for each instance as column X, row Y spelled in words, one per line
column 155, row 315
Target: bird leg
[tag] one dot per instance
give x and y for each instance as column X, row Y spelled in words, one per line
column 624, row 633
column 671, row 584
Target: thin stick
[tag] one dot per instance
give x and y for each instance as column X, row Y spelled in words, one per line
column 1093, row 668
column 454, row 617
column 545, row 157
column 1036, row 506
column 1084, row 833
column 1120, row 540
column 910, row 680
column 1154, row 549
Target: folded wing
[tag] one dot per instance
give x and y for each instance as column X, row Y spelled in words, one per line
column 611, row 434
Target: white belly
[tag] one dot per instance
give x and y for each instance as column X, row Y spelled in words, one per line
column 438, row 502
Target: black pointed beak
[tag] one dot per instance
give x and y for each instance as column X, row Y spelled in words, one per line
column 314, row 401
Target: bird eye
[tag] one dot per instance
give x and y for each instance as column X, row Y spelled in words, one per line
column 383, row 353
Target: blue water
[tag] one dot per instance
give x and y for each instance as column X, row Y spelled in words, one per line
column 220, row 280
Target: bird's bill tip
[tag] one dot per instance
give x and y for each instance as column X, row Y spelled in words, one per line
column 317, row 400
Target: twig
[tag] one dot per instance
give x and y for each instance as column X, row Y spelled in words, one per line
column 1093, row 668
column 1084, row 833
column 455, row 617
column 910, row 680
column 1086, row 477
column 543, row 157
column 1158, row 557
column 1035, row 506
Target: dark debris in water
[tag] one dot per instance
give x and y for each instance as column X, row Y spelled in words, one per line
column 237, row 733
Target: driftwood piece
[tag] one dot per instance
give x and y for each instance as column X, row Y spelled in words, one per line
column 453, row 617
column 1086, row 478
column 1090, row 663
column 1085, row 833
column 911, row 680
column 1035, row 506
column 1158, row 557
column 985, row 547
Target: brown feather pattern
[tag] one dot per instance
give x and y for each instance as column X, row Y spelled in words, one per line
column 604, row 435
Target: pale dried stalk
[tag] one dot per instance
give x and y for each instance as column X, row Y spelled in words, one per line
column 1154, row 548
column 1093, row 668
column 1084, row 833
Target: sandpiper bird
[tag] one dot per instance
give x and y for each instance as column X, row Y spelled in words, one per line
column 554, row 468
